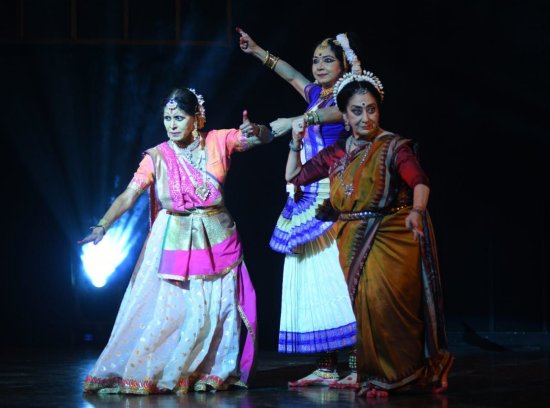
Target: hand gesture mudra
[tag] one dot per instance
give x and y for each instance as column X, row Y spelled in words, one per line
column 248, row 128
column 298, row 129
column 413, row 222
column 281, row 126
column 95, row 236
column 246, row 43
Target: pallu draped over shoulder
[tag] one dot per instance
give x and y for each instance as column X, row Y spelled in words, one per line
column 393, row 280
column 179, row 324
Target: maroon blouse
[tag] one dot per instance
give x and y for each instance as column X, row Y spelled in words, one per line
column 318, row 167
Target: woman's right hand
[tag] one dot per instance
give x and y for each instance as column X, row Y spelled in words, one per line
column 247, row 44
column 293, row 163
column 298, row 129
column 95, row 236
column 281, row 126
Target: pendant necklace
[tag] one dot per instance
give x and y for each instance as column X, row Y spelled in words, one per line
column 201, row 190
column 346, row 160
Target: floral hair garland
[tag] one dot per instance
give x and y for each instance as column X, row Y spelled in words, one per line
column 365, row 76
column 352, row 58
column 202, row 110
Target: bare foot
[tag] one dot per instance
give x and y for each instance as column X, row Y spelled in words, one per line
column 348, row 382
column 318, row 377
column 379, row 394
column 444, row 380
column 371, row 393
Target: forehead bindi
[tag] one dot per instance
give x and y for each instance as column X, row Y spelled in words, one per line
column 363, row 99
column 325, row 51
column 173, row 112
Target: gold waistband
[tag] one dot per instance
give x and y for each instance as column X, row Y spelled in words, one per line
column 198, row 212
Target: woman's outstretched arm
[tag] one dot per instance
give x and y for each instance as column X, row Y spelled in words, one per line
column 282, row 68
column 122, row 203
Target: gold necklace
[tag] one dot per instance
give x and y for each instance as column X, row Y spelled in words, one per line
column 325, row 93
column 346, row 160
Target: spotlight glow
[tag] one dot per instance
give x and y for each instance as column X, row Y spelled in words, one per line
column 101, row 260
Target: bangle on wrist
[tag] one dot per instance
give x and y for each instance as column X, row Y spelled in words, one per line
column 310, row 119
column 316, row 119
column 255, row 128
column 270, row 60
column 261, row 131
column 99, row 226
column 418, row 210
column 293, row 147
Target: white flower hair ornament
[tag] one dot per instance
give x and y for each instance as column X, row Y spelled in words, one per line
column 365, row 76
column 352, row 58
column 201, row 114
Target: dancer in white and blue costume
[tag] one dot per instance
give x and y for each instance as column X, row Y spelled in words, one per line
column 316, row 312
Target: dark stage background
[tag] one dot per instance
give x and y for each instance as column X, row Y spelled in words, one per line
column 81, row 89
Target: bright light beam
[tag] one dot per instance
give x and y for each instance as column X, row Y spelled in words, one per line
column 101, row 260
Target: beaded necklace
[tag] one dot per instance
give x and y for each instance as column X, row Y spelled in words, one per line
column 186, row 151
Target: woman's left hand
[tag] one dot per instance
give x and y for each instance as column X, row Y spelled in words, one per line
column 413, row 222
column 248, row 128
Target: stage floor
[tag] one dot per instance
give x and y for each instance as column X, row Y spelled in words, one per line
column 480, row 378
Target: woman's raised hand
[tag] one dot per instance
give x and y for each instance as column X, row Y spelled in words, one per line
column 298, row 129
column 246, row 43
column 248, row 128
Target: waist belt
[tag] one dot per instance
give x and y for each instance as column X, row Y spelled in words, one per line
column 363, row 215
column 198, row 212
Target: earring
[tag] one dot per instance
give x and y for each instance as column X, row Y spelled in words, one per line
column 195, row 132
column 346, row 126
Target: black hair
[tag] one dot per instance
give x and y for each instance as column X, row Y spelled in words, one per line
column 185, row 99
column 355, row 87
column 338, row 51
column 335, row 48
